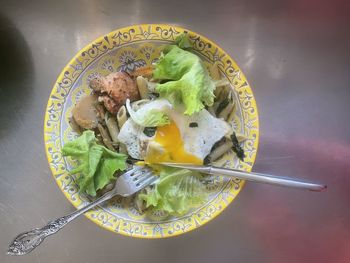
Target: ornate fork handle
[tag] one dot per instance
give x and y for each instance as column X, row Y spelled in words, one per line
column 28, row 241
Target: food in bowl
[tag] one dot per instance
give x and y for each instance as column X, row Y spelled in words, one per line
column 175, row 111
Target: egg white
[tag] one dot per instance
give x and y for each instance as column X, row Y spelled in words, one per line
column 197, row 141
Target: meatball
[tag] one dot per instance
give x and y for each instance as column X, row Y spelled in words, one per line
column 115, row 89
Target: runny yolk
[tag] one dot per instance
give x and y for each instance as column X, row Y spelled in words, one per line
column 172, row 147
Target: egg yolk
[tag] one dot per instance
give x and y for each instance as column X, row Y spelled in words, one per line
column 172, row 147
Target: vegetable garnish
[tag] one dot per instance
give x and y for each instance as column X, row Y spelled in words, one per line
column 177, row 191
column 97, row 164
column 182, row 41
column 189, row 82
column 236, row 147
column 149, row 117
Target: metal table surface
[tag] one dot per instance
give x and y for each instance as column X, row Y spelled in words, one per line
column 295, row 55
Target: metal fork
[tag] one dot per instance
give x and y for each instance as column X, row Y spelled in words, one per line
column 127, row 184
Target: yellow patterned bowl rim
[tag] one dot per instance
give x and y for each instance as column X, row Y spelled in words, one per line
column 118, row 38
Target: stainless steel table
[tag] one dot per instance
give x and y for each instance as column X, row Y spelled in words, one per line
column 296, row 55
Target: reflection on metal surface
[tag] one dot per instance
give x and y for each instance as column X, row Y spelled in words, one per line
column 135, row 17
column 308, row 98
column 250, row 49
column 275, row 64
column 16, row 71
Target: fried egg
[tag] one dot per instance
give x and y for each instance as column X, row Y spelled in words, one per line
column 187, row 139
column 132, row 136
column 168, row 146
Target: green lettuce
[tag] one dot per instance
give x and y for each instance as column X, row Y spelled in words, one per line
column 177, row 191
column 187, row 80
column 148, row 117
column 182, row 41
column 97, row 164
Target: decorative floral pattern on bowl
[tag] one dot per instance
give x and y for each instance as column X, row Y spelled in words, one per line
column 127, row 49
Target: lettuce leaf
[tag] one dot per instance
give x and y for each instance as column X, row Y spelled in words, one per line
column 148, row 116
column 177, row 191
column 188, row 81
column 97, row 164
column 182, row 41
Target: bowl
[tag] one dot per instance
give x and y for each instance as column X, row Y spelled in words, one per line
column 127, row 49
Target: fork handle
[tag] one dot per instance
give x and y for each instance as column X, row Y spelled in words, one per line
column 26, row 242
column 268, row 179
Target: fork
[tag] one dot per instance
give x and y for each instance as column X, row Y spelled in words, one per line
column 127, row 184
